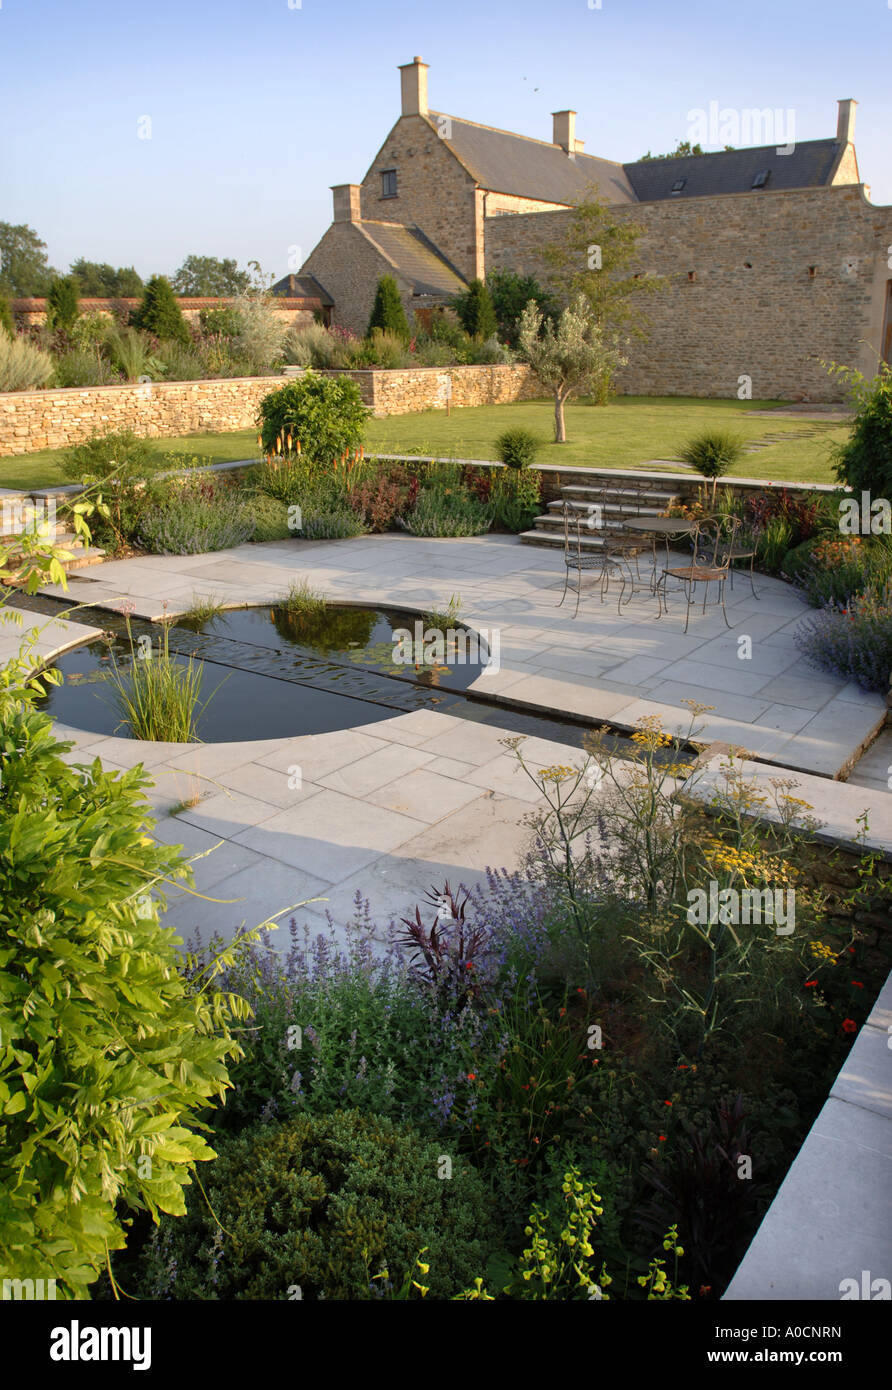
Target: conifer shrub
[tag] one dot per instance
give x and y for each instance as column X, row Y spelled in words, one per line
column 158, row 312
column 388, row 313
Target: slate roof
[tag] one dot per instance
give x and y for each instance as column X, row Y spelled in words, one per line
column 508, row 163
column 301, row 287
column 732, row 171
column 414, row 256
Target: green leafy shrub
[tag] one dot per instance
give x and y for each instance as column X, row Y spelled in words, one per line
column 23, row 367
column 864, row 461
column 324, row 414
column 120, row 463
column 335, row 1206
column 489, row 352
column 476, row 312
column 510, row 294
column 388, row 313
column 223, row 322
column 517, row 448
column 444, row 327
column 107, row 1055
column 103, row 455
column 158, row 312
column 433, row 354
column 63, row 302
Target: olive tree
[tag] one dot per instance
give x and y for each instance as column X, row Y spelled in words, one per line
column 569, row 358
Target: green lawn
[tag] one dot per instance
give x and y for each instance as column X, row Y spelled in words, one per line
column 629, row 431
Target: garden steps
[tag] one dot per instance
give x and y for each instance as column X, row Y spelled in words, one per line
column 631, row 495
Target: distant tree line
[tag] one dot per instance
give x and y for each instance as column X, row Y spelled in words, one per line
column 25, row 273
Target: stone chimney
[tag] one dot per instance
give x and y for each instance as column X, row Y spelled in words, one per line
column 565, row 132
column 346, row 202
column 845, row 125
column 413, row 88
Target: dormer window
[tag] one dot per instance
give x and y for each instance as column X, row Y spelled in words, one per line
column 678, row 185
column 388, row 183
column 761, row 178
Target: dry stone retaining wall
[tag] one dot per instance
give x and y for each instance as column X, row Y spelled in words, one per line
column 34, row 420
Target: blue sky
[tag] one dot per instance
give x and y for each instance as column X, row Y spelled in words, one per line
column 257, row 108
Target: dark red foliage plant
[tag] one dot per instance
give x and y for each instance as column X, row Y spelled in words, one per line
column 447, row 955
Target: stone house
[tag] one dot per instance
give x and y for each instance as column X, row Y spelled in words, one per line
column 774, row 257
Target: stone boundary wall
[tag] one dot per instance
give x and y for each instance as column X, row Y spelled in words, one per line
column 292, row 311
column 762, row 284
column 55, row 419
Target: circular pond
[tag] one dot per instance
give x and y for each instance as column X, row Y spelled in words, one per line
column 273, row 673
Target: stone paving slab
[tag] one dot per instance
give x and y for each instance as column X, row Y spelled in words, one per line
column 837, row 805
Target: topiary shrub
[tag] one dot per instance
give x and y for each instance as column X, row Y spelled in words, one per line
column 517, row 448
column 107, row 1055
column 388, row 313
column 325, row 415
column 329, row 1206
column 158, row 312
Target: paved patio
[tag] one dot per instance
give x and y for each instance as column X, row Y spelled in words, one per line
column 393, row 808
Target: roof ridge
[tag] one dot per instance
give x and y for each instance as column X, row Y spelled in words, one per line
column 743, row 149
column 532, row 139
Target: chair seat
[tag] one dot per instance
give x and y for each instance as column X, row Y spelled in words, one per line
column 704, row 572
column 739, row 554
column 589, row 562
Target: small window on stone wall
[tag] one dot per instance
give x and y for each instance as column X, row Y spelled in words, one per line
column 388, row 183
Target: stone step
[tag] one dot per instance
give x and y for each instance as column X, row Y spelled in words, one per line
column 615, row 509
column 584, row 492
column 553, row 522
column 82, row 558
column 555, row 539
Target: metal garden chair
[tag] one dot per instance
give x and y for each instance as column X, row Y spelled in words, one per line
column 712, row 545
column 581, row 559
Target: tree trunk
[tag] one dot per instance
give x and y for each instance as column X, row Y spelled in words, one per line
column 560, row 431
